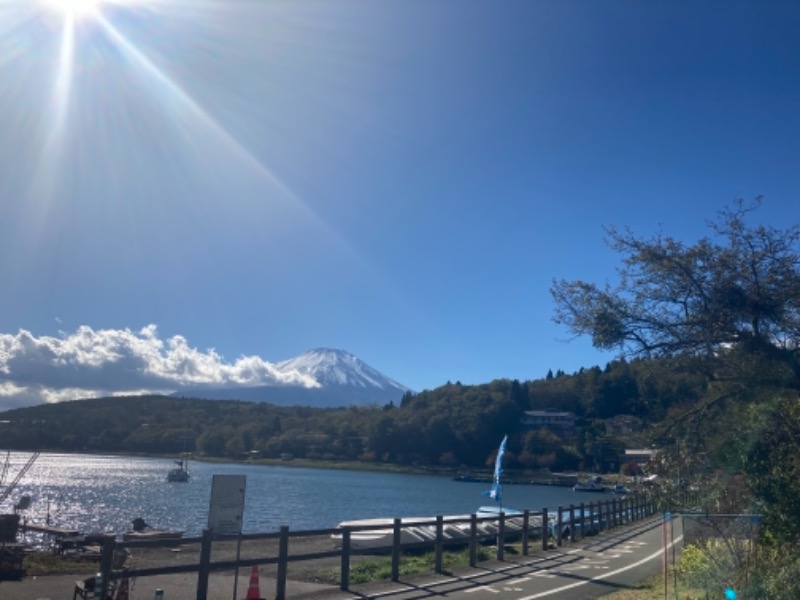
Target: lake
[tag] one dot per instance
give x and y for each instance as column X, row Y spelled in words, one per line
column 104, row 493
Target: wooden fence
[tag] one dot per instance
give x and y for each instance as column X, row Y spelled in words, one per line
column 567, row 524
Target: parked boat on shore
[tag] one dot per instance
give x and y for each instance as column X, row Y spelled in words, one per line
column 143, row 531
column 592, row 484
column 379, row 533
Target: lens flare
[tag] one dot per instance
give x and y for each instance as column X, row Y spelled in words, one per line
column 75, row 9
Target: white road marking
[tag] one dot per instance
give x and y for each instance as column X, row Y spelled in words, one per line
column 603, row 576
column 483, row 588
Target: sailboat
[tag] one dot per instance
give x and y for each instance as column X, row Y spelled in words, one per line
column 179, row 474
column 379, row 533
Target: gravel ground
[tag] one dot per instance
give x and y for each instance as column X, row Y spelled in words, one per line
column 306, row 579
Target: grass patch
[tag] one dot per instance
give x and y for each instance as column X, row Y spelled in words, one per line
column 653, row 589
column 45, row 563
column 411, row 563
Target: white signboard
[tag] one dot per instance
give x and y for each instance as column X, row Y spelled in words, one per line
column 226, row 510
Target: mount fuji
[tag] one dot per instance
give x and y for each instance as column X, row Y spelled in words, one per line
column 324, row 378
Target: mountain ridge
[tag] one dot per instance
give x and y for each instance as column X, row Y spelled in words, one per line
column 342, row 379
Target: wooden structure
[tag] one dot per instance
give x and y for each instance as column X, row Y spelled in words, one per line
column 11, row 556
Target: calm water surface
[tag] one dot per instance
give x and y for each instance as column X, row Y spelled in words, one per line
column 104, row 493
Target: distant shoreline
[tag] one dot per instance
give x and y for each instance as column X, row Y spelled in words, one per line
column 511, row 476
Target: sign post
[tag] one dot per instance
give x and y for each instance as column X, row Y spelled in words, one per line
column 667, row 530
column 226, row 511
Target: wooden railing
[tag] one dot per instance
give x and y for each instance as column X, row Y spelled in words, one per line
column 566, row 524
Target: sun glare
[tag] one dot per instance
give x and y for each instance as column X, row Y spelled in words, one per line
column 75, row 8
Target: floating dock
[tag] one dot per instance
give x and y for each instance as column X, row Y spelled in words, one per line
column 49, row 529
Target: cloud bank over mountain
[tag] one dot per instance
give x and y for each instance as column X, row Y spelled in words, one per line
column 92, row 363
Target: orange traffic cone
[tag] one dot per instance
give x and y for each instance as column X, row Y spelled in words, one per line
column 253, row 592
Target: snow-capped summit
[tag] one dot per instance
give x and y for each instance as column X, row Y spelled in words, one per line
column 342, row 380
column 337, row 367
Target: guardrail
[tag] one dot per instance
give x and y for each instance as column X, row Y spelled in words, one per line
column 565, row 524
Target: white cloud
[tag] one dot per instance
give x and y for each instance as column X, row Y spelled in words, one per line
column 91, row 363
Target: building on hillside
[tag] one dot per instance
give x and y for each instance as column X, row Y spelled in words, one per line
column 639, row 456
column 560, row 422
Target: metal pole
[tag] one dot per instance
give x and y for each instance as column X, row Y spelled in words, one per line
column 203, row 568
column 545, row 528
column 344, row 583
column 396, row 531
column 526, row 518
column 572, row 523
column 501, row 537
column 473, row 539
column 439, row 544
column 283, row 563
column 559, row 528
column 236, row 570
column 106, row 563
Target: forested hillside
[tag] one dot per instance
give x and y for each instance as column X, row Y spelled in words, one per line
column 452, row 426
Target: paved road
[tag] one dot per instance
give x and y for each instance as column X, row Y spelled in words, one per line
column 588, row 569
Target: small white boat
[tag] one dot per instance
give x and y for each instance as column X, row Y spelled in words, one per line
column 592, row 484
column 143, row 531
column 152, row 534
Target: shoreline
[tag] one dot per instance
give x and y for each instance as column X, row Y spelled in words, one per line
column 514, row 475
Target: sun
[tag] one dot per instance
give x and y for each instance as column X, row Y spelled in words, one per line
column 74, row 8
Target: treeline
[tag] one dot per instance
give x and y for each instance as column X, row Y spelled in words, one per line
column 454, row 425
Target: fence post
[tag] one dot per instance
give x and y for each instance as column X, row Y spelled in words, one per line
column 613, row 515
column 501, row 536
column 583, row 521
column 106, row 563
column 203, row 567
column 526, row 521
column 591, row 517
column 283, row 563
column 473, row 540
column 344, row 577
column 439, row 544
column 559, row 528
column 599, row 517
column 545, row 528
column 396, row 531
column 571, row 522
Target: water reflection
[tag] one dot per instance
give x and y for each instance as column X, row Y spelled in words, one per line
column 105, row 493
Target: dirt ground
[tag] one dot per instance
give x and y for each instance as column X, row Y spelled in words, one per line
column 317, row 577
column 307, row 570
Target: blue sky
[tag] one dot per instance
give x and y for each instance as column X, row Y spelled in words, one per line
column 195, row 190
